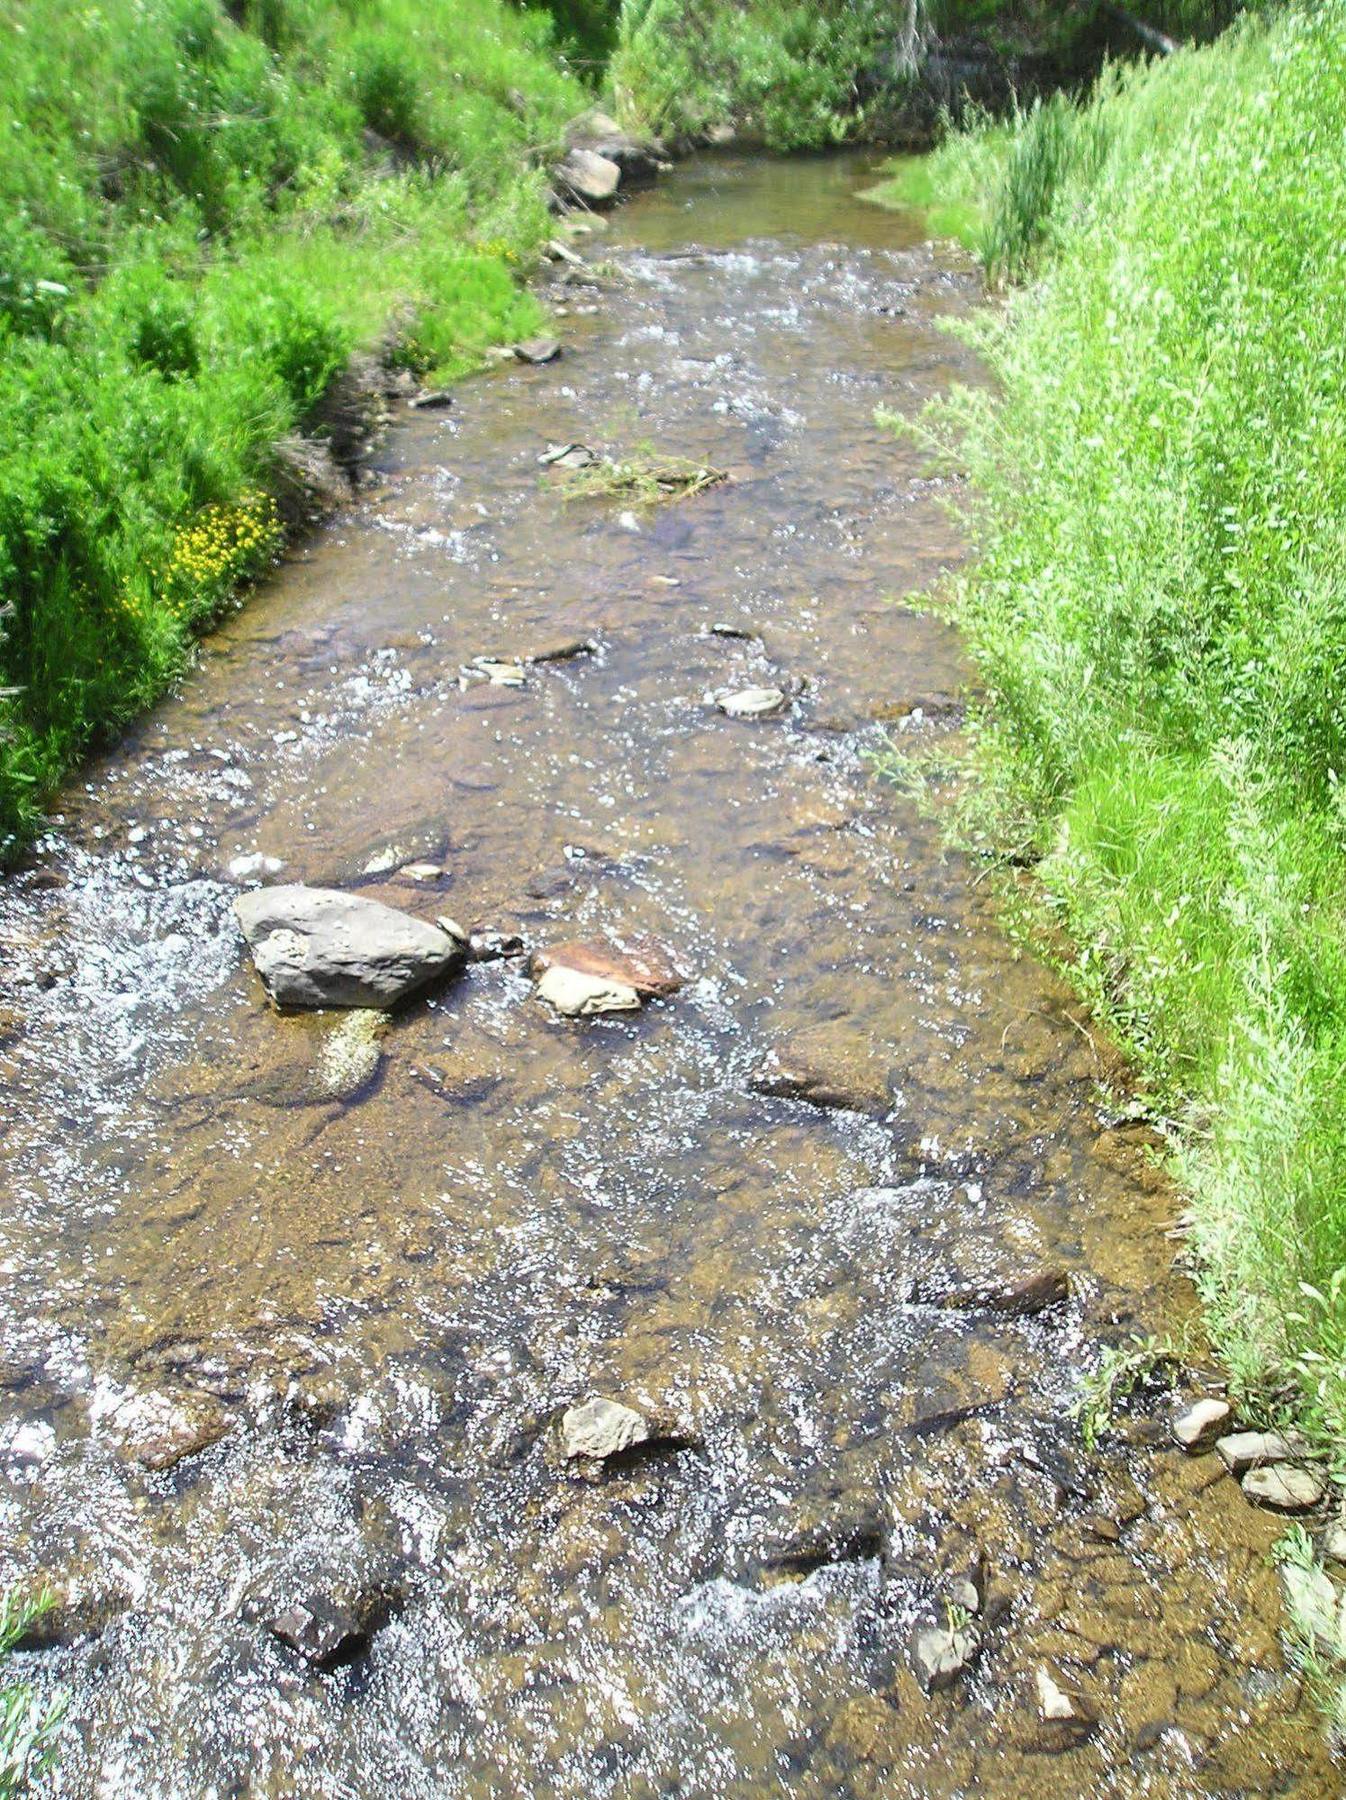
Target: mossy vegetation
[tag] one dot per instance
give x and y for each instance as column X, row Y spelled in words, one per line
column 203, row 212
column 1159, row 613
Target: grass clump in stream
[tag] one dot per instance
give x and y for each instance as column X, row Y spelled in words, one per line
column 204, row 210
column 644, row 478
column 28, row 1729
column 1159, row 614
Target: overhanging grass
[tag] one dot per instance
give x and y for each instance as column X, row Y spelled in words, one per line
column 1159, row 612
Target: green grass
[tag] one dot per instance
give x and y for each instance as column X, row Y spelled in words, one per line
column 27, row 1728
column 1159, row 615
column 203, row 213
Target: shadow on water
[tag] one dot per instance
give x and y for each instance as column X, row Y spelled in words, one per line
column 276, row 1324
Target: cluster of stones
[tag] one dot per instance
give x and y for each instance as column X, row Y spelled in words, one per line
column 1268, row 1465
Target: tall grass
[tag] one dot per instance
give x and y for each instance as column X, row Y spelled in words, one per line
column 203, row 211
column 1159, row 612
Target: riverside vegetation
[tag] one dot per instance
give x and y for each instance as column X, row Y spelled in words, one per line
column 203, row 212
column 1159, row 614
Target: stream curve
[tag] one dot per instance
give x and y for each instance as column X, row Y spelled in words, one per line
column 292, row 1313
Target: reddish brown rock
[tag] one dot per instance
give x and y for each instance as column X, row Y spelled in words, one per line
column 642, row 964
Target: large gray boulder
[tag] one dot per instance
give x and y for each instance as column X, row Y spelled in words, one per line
column 586, row 175
column 320, row 947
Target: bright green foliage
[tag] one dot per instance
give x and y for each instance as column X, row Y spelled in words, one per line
column 203, row 211
column 27, row 1728
column 793, row 71
column 1160, row 615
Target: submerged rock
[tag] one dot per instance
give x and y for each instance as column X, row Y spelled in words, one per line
column 1021, row 1298
column 942, row 1654
column 792, row 1074
column 752, row 703
column 1066, row 1716
column 350, row 1058
column 317, row 947
column 600, row 1429
column 578, row 995
column 1198, row 1426
column 1284, row 1488
column 641, row 963
column 322, row 1632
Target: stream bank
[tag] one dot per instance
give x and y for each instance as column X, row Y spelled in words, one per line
column 268, row 1343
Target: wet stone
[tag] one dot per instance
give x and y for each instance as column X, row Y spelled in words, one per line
column 1281, row 1487
column 1058, row 1705
column 588, row 176
column 785, row 1076
column 752, row 703
column 1015, row 1298
column 1198, row 1426
column 576, row 995
column 1334, row 1541
column 562, row 648
column 317, row 947
column 489, row 945
column 538, row 350
column 179, row 1438
column 640, row 963
column 1244, row 1450
column 320, row 1631
column 942, row 1654
column 600, row 1428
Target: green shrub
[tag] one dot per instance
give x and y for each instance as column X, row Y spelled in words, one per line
column 386, row 87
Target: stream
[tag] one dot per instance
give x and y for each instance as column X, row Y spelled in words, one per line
column 290, row 1312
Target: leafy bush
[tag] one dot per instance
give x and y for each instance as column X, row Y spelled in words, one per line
column 1159, row 613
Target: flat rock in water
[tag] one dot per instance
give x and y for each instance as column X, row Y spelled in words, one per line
column 641, row 963
column 1244, row 1450
column 577, row 995
column 792, row 1073
column 1281, row 1487
column 942, row 1654
column 752, row 703
column 1198, row 1426
column 538, row 350
column 562, row 648
column 320, row 1631
column 601, row 1428
column 1021, row 1297
column 589, row 176
column 318, row 947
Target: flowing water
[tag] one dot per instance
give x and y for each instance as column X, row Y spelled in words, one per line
column 384, row 1283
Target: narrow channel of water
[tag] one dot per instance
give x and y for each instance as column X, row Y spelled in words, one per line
column 382, row 1284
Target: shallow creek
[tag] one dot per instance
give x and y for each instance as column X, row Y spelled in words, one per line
column 388, row 1296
